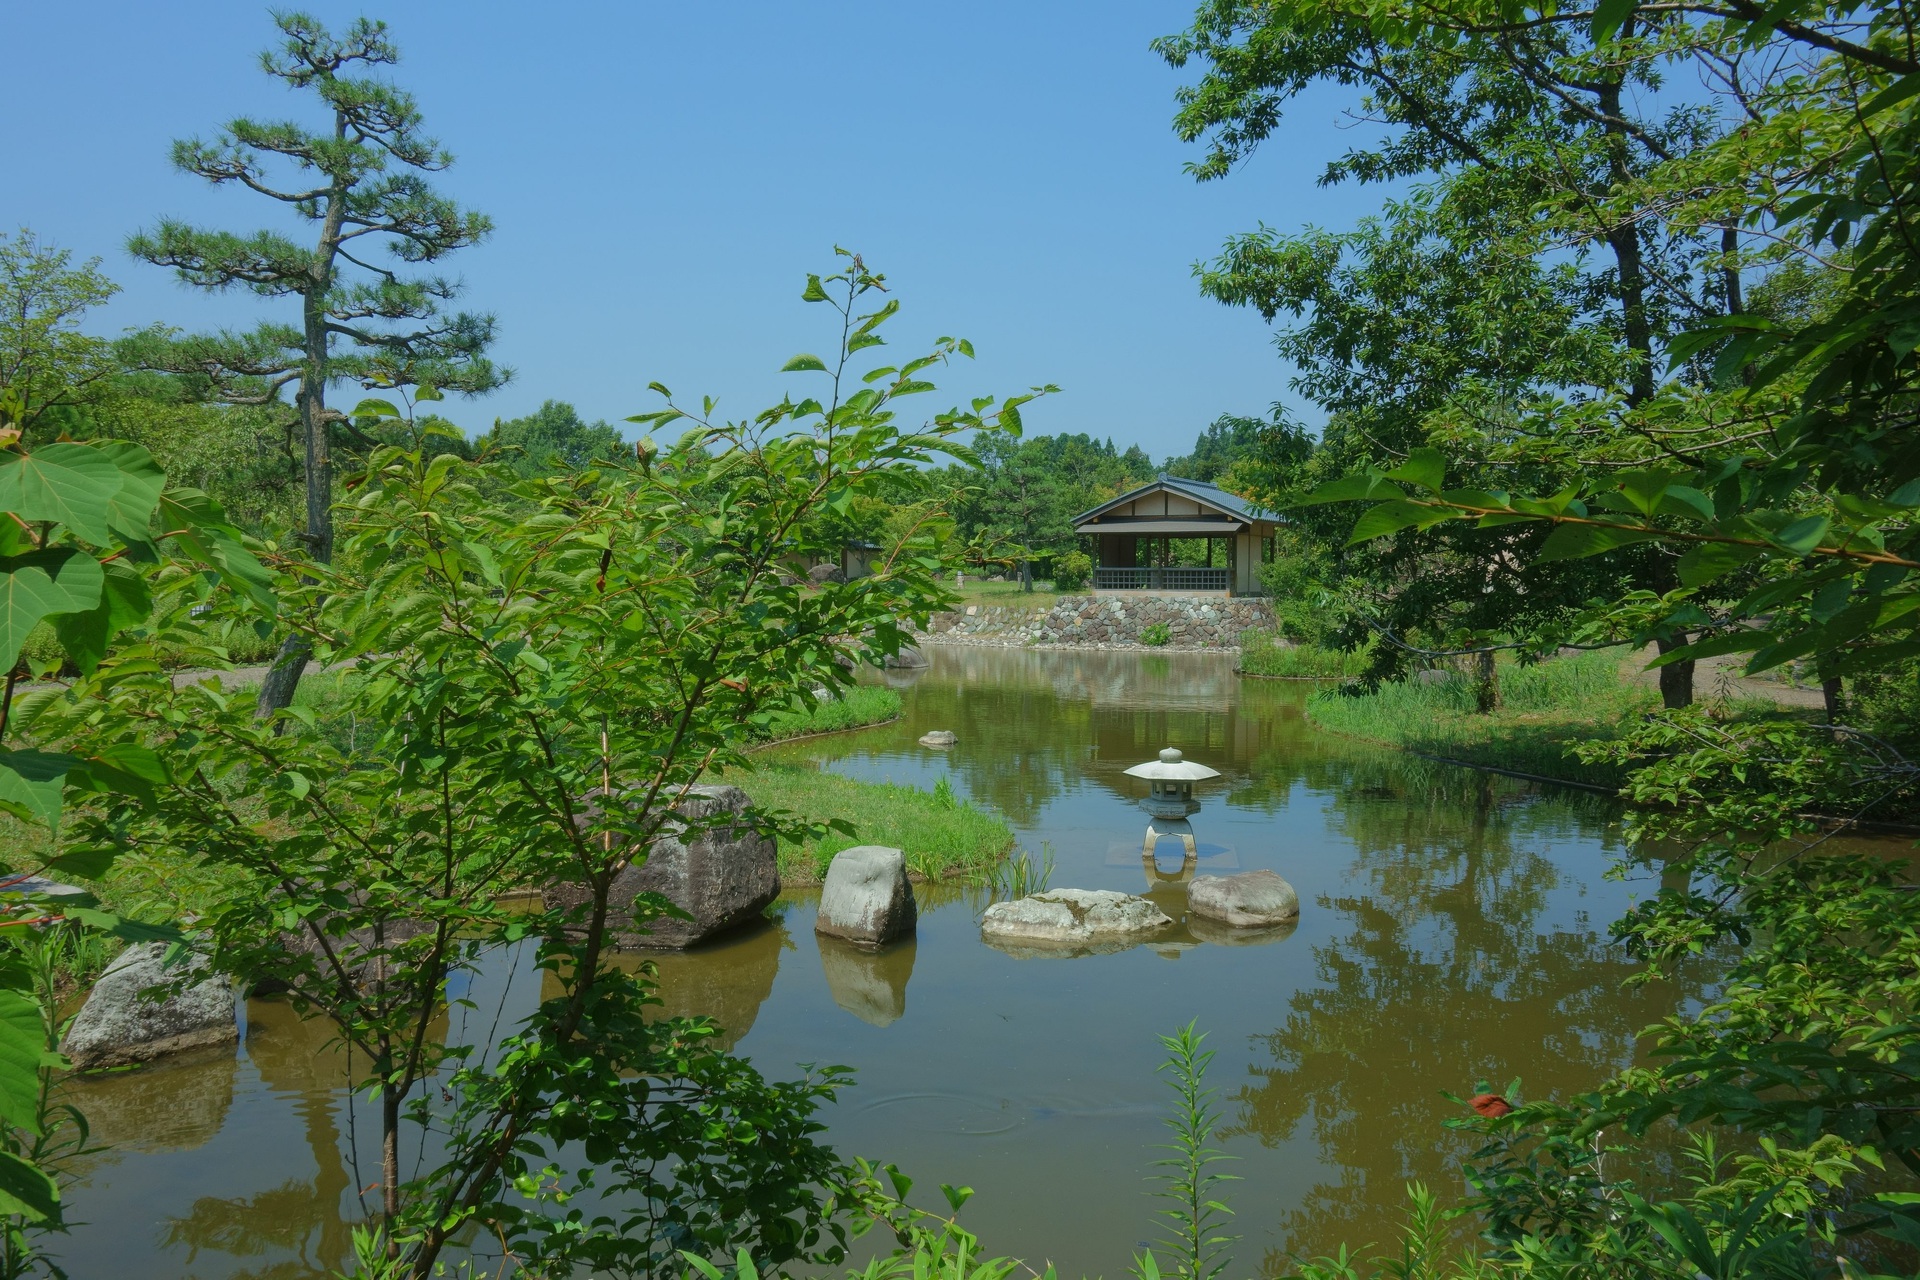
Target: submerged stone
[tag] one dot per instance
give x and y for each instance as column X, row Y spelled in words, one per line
column 938, row 738
column 120, row 1025
column 1250, row 900
column 1073, row 920
column 867, row 897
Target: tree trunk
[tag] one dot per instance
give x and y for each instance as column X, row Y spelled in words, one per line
column 1624, row 240
column 277, row 690
column 1026, row 575
column 1676, row 679
column 1830, row 690
column 390, row 1153
column 1486, row 693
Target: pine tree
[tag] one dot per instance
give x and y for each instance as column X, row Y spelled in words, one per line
column 359, row 182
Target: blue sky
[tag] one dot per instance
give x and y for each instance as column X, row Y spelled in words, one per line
column 662, row 176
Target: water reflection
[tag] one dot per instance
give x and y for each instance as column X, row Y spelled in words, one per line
column 1464, row 953
column 870, row 985
column 1453, row 926
column 177, row 1105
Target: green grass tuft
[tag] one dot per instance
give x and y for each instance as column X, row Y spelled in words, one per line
column 1264, row 654
column 941, row 836
column 858, row 707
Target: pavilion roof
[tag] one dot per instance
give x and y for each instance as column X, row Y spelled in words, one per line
column 1207, row 495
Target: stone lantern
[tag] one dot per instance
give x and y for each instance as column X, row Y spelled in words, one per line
column 1170, row 799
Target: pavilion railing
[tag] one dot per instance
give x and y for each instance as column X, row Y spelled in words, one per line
column 1171, row 578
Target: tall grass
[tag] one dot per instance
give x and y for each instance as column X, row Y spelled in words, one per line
column 940, row 836
column 1546, row 711
column 1262, row 653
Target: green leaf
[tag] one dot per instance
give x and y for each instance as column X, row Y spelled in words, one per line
column 23, row 1045
column 1608, row 17
column 1391, row 517
column 26, row 1190
column 85, row 864
column 804, row 363
column 1423, row 467
column 39, row 584
column 814, row 292
column 1368, row 486
column 124, row 602
column 71, row 484
column 35, row 779
column 130, row 513
column 1711, row 560
column 200, row 525
column 1803, row 535
column 372, row 408
column 1576, row 541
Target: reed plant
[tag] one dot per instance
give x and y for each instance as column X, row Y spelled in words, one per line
column 1020, row 877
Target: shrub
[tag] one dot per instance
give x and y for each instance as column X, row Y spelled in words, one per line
column 1155, row 635
column 1072, row 571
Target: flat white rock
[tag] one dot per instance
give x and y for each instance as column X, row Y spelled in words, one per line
column 1073, row 918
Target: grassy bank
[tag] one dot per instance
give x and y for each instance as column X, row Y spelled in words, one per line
column 940, row 835
column 858, row 707
column 1545, row 711
column 1264, row 654
column 1006, row 595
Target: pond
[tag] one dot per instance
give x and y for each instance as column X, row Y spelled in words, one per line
column 1453, row 929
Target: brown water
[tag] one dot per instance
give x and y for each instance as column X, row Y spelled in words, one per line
column 1452, row 929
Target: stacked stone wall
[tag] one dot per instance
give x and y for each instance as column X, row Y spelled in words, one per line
column 1105, row 622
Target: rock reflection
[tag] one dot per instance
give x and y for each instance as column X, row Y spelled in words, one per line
column 1217, row 934
column 870, row 985
column 727, row 979
column 178, row 1104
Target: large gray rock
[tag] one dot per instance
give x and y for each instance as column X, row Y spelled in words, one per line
column 120, row 1024
column 909, row 658
column 938, row 738
column 1250, row 900
column 826, row 573
column 1082, row 920
column 871, row 985
column 867, row 897
column 724, row 878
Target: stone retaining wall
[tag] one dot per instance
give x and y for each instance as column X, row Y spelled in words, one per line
column 1105, row 622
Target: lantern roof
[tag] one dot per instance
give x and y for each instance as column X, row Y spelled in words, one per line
column 1170, row 767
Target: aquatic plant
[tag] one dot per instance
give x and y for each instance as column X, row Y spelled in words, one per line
column 1019, row 877
column 1195, row 1216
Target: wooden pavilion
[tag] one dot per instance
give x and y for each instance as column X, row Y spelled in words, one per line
column 1133, row 537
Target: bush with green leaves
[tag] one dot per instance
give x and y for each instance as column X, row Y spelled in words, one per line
column 1156, row 634
column 542, row 678
column 1072, row 570
column 106, row 563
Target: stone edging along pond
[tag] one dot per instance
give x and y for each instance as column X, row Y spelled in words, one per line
column 1206, row 624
